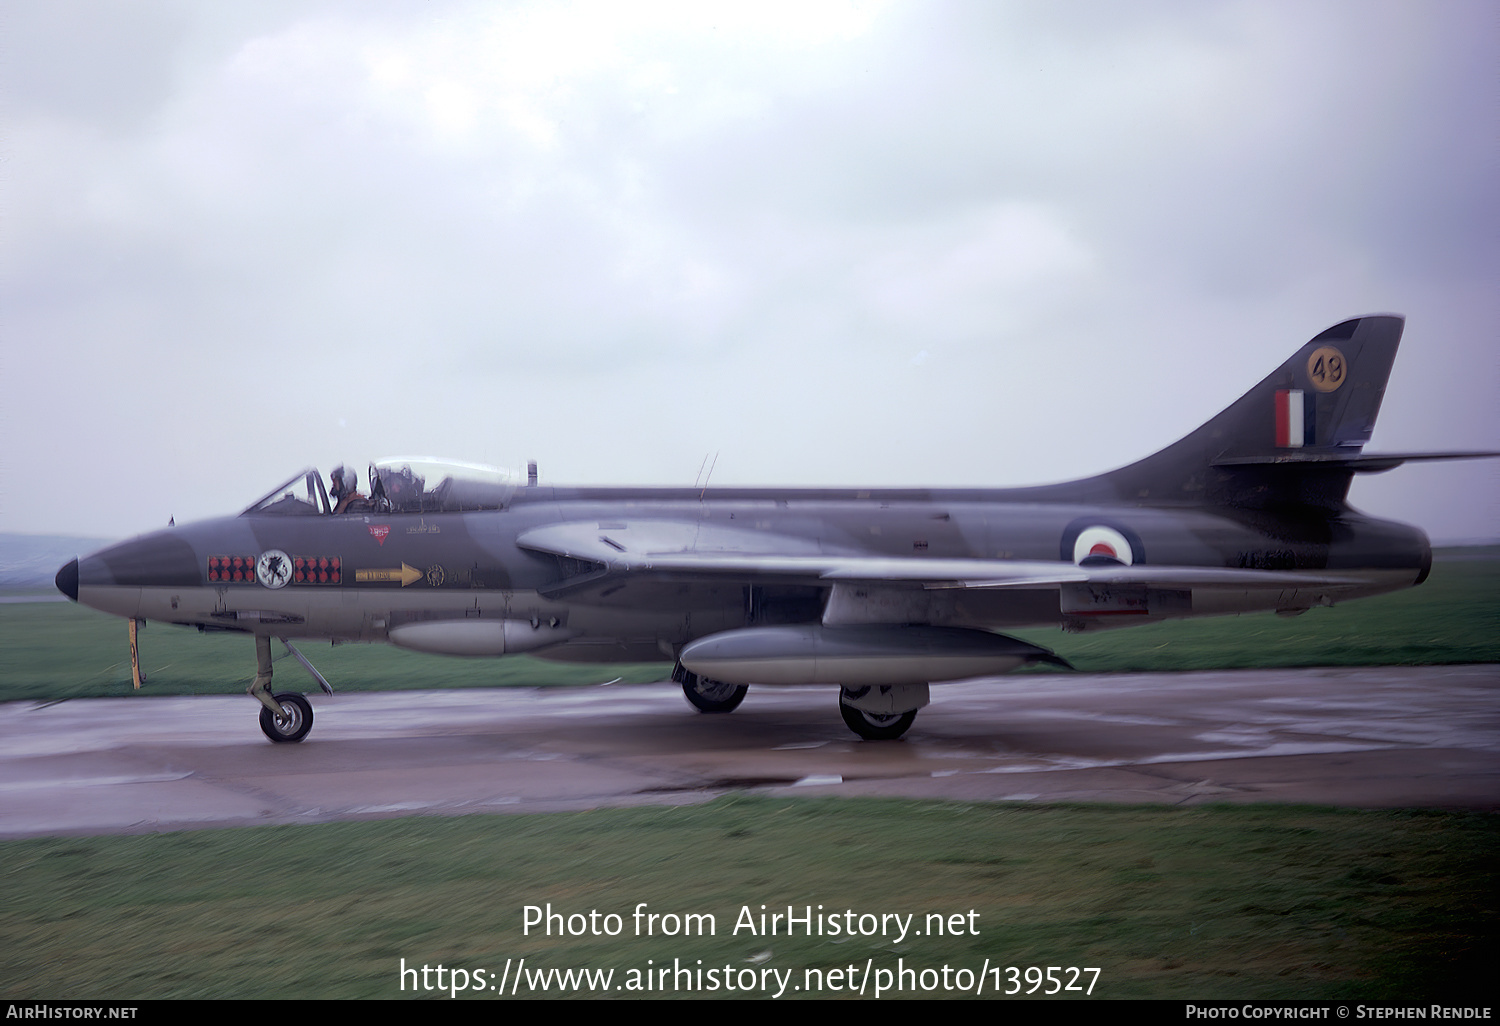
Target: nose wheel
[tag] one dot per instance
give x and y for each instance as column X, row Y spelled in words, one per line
column 293, row 721
column 288, row 716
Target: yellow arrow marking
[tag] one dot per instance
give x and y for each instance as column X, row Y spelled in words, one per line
column 406, row 575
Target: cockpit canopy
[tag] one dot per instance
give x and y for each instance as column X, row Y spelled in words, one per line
column 397, row 484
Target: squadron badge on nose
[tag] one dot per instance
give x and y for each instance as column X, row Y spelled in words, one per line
column 273, row 569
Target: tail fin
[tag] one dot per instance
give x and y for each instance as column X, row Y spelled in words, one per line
column 1293, row 439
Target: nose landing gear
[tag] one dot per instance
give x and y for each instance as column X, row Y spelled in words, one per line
column 288, row 716
column 293, row 721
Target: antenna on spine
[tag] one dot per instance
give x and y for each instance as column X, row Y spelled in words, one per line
column 711, row 466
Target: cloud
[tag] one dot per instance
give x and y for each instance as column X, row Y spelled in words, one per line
column 618, row 236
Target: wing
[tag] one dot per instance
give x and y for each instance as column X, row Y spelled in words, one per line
column 682, row 548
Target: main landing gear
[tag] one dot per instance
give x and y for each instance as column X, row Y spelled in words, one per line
column 882, row 712
column 287, row 716
column 876, row 726
column 709, row 696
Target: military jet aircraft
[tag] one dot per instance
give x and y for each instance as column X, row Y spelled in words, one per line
column 880, row 592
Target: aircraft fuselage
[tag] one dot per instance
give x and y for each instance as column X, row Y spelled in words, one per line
column 363, row 574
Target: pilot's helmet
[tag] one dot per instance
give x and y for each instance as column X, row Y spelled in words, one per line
column 344, row 481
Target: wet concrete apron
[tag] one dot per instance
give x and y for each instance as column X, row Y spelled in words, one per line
column 1372, row 737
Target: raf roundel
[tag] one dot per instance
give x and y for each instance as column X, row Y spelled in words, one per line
column 273, row 569
column 1102, row 541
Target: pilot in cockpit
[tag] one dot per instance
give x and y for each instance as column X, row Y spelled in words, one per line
column 346, row 492
column 396, row 489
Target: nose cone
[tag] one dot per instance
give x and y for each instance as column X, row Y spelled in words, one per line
column 67, row 580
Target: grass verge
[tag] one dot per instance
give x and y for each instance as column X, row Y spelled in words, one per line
column 1206, row 902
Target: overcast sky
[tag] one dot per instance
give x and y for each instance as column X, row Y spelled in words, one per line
column 834, row 243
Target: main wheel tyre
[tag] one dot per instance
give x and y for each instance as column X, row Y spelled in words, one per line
column 713, row 696
column 293, row 723
column 877, row 726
